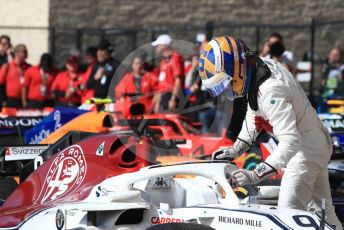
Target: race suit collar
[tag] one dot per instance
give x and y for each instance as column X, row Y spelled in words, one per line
column 261, row 74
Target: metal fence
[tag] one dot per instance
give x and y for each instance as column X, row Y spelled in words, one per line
column 315, row 38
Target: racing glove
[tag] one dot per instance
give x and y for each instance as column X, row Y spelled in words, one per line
column 261, row 172
column 238, row 148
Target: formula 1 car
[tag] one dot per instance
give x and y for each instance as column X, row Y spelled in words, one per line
column 52, row 122
column 15, row 122
column 102, row 183
column 176, row 127
column 332, row 116
column 189, row 141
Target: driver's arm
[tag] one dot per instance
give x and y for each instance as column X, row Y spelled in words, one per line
column 248, row 132
column 281, row 115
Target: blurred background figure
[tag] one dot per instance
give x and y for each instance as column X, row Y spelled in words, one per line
column 66, row 84
column 171, row 75
column 12, row 76
column 103, row 71
column 5, row 57
column 5, row 49
column 286, row 58
column 276, row 52
column 332, row 78
column 36, row 91
column 91, row 60
column 138, row 83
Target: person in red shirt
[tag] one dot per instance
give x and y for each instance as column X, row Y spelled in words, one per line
column 91, row 59
column 171, row 75
column 66, row 84
column 138, row 83
column 12, row 76
column 37, row 83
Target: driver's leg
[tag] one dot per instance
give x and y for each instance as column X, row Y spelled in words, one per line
column 322, row 191
column 297, row 184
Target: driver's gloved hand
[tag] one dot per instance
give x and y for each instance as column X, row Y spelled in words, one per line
column 238, row 148
column 261, row 172
column 228, row 154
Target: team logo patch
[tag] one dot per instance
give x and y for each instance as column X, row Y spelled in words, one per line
column 65, row 174
column 59, row 219
column 100, row 150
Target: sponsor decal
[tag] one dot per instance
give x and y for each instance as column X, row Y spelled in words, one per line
column 240, row 221
column 44, row 133
column 65, row 174
column 59, row 219
column 165, row 220
column 51, row 123
column 23, row 122
column 57, row 119
column 100, row 150
column 101, row 191
column 160, row 183
column 23, row 152
column 334, row 124
column 38, row 138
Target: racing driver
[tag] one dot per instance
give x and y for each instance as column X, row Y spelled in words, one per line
column 277, row 103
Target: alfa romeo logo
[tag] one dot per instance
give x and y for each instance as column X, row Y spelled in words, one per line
column 65, row 175
column 59, row 219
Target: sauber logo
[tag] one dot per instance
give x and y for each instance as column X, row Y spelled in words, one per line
column 65, row 175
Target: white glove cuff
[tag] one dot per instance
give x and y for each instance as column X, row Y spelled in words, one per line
column 264, row 170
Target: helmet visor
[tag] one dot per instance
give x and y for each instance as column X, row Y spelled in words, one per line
column 217, row 84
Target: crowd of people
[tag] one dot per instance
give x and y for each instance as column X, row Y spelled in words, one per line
column 174, row 85
column 23, row 85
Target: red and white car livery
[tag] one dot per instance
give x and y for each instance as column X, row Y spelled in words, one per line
column 98, row 184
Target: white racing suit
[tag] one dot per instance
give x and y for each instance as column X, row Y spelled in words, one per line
column 304, row 148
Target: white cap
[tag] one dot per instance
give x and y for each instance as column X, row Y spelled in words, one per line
column 163, row 39
column 201, row 37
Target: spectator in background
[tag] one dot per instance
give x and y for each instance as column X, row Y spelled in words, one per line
column 276, row 52
column 5, row 57
column 332, row 70
column 37, row 83
column 146, row 66
column 287, row 56
column 91, row 59
column 139, row 83
column 12, row 76
column 66, row 84
column 103, row 71
column 171, row 74
column 5, row 49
